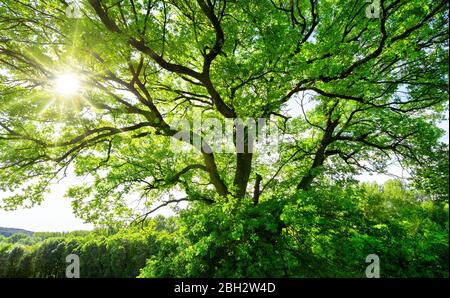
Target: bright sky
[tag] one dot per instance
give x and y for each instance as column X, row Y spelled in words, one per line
column 55, row 213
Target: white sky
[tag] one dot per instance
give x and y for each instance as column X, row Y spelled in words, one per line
column 55, row 213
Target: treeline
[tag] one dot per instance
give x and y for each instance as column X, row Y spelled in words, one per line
column 324, row 232
column 6, row 232
column 111, row 252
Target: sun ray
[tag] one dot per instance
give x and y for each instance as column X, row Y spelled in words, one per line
column 46, row 107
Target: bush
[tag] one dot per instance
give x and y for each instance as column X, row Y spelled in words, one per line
column 326, row 232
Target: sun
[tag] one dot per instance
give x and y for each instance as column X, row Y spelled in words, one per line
column 67, row 84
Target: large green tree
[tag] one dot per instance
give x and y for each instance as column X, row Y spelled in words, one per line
column 375, row 78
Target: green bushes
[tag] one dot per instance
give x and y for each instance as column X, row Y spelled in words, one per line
column 224, row 242
column 102, row 253
column 334, row 229
column 120, row 255
column 49, row 258
column 322, row 232
column 326, row 232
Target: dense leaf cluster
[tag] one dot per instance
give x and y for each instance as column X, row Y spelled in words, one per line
column 323, row 233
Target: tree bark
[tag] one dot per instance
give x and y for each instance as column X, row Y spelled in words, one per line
column 320, row 155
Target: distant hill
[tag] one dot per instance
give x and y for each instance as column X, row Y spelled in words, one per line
column 9, row 231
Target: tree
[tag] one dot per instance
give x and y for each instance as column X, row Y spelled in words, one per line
column 15, row 238
column 376, row 87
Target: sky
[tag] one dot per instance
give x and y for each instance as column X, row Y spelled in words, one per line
column 55, row 213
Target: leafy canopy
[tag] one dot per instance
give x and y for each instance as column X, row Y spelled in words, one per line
column 366, row 91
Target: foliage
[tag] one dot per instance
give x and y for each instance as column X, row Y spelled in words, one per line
column 432, row 176
column 325, row 233
column 101, row 254
column 365, row 91
column 349, row 94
